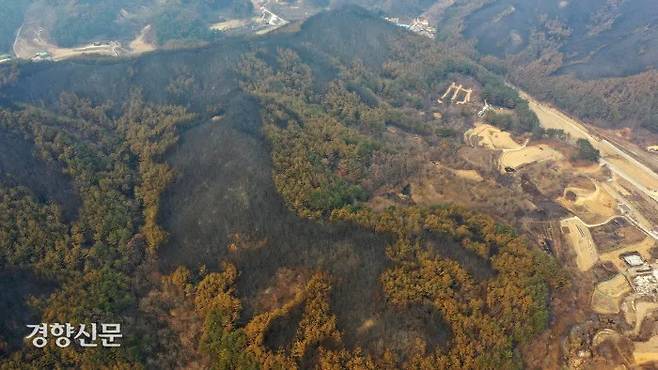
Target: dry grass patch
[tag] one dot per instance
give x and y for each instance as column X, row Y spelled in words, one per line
column 607, row 295
column 646, row 352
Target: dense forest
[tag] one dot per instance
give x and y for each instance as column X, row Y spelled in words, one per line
column 12, row 17
column 560, row 52
column 220, row 209
column 80, row 22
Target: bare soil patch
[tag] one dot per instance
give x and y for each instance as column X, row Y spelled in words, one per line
column 592, row 207
column 490, row 137
column 646, row 352
column 143, row 42
column 529, row 154
column 579, row 237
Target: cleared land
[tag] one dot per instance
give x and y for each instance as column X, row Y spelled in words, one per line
column 646, row 351
column 142, row 43
column 607, row 295
column 231, row 24
column 581, row 187
column 490, row 137
column 471, row 175
column 642, row 309
column 596, row 207
column 643, row 247
column 32, row 38
column 578, row 235
column 616, row 234
column 513, row 154
column 529, row 154
column 619, row 161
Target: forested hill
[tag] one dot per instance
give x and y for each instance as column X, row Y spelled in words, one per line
column 596, row 59
column 226, row 209
column 70, row 23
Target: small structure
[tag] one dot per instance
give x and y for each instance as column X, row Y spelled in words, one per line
column 419, row 26
column 272, row 19
column 5, row 58
column 422, row 27
column 41, row 56
column 632, row 259
column 487, row 107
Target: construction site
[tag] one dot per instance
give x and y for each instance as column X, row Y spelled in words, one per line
column 609, row 233
column 32, row 43
column 419, row 25
column 612, row 228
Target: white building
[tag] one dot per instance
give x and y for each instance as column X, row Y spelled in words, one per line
column 633, row 260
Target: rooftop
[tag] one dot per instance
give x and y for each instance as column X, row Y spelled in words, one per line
column 633, row 260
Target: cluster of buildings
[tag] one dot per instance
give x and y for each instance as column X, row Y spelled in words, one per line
column 419, row 25
column 268, row 17
column 41, row 56
column 642, row 276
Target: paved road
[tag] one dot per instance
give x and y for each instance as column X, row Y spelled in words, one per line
column 619, row 162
